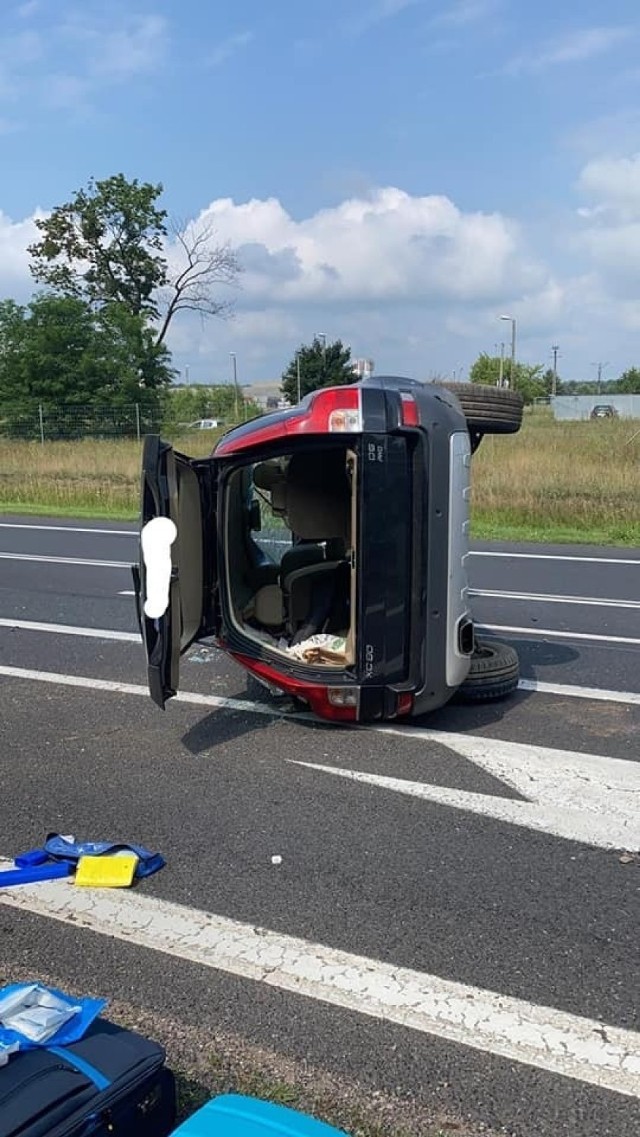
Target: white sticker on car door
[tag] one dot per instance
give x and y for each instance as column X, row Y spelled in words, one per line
column 156, row 539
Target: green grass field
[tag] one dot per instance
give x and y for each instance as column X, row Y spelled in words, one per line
column 571, row 482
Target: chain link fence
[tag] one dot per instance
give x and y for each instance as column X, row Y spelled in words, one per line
column 68, row 422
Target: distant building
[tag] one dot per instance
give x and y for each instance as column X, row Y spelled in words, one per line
column 363, row 368
column 266, row 395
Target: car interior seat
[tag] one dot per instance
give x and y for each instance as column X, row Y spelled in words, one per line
column 318, row 509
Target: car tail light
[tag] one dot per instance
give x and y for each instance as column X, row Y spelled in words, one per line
column 409, row 412
column 334, row 410
column 337, row 703
column 343, row 696
column 405, row 703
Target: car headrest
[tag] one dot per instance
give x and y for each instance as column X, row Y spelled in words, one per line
column 267, row 606
column 269, row 473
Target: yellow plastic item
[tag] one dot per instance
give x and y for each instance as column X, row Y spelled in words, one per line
column 113, row 870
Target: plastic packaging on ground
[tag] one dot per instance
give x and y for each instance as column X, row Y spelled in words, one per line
column 33, row 1015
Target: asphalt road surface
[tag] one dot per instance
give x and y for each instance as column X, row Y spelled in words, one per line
column 437, row 923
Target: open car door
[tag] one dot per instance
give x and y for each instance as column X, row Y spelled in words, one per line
column 176, row 578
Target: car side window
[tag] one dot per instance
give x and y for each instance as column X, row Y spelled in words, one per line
column 269, row 529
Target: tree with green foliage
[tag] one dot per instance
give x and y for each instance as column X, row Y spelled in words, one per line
column 107, row 245
column 184, row 405
column 629, row 382
column 319, row 364
column 486, row 370
column 57, row 350
column 528, row 379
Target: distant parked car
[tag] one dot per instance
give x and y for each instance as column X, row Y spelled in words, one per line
column 205, row 424
column 604, row 410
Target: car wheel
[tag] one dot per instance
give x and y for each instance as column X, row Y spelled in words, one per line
column 488, row 410
column 494, row 672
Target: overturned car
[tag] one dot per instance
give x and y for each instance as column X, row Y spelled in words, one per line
column 323, row 547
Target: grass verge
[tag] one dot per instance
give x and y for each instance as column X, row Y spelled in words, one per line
column 558, row 482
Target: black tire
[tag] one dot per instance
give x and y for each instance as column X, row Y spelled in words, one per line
column 494, row 672
column 488, row 410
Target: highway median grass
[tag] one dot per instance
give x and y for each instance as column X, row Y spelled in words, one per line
column 563, row 482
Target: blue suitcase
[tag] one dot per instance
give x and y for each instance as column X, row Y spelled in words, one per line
column 111, row 1082
column 234, row 1115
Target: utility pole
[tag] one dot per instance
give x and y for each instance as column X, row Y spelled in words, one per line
column 555, row 349
column 298, row 374
column 601, row 367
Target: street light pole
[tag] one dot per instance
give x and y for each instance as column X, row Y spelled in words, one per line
column 512, row 370
column 298, row 374
column 501, row 378
column 234, row 362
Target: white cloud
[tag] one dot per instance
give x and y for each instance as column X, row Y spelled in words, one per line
column 413, row 282
column 25, row 11
column 610, row 235
column 228, row 47
column 390, row 246
column 575, row 47
column 614, row 184
column 81, row 54
column 466, row 12
column 15, row 236
column 376, row 13
column 113, row 50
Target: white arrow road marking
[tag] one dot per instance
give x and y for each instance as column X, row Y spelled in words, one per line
column 579, row 797
column 543, row 1037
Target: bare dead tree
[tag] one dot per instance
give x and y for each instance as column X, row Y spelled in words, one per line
column 206, row 266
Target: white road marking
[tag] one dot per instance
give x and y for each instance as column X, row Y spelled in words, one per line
column 553, row 633
column 472, row 553
column 543, row 1037
column 127, row 593
column 116, row 688
column 632, row 697
column 70, row 630
column 69, row 529
column 549, row 598
column 556, row 557
column 566, row 690
column 577, row 797
column 64, row 561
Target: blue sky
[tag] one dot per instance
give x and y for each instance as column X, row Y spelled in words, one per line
column 397, row 173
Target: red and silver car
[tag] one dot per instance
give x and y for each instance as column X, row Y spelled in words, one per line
column 323, row 547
